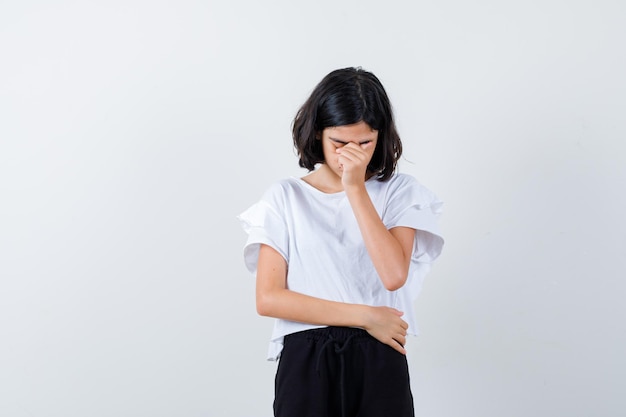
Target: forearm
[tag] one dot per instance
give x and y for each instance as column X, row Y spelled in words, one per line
column 389, row 257
column 289, row 305
column 383, row 323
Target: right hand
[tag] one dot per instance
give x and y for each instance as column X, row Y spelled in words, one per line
column 386, row 326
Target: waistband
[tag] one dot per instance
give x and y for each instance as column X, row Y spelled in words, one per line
column 336, row 333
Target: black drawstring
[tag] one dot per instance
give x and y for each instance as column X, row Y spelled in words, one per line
column 339, row 349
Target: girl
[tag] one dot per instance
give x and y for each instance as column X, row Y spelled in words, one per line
column 339, row 256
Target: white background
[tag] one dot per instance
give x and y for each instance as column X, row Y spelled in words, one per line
column 133, row 132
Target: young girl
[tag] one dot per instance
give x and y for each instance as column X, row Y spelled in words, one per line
column 339, row 256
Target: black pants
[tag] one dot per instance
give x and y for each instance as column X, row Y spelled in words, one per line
column 341, row 372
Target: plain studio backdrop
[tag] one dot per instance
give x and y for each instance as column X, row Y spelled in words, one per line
column 133, row 132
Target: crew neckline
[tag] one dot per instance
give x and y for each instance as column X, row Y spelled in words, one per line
column 305, row 184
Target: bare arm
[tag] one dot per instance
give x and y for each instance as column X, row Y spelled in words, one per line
column 275, row 300
column 390, row 250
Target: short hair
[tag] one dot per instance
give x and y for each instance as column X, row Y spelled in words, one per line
column 344, row 97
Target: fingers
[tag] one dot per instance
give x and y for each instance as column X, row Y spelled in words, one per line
column 398, row 343
column 353, row 152
column 387, row 327
column 399, row 338
column 397, row 346
column 352, row 160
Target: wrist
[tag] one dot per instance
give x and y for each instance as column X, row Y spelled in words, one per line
column 363, row 316
column 355, row 188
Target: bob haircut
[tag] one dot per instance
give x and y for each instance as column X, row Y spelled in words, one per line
column 344, row 97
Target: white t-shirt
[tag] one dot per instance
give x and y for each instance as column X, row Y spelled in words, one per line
column 320, row 239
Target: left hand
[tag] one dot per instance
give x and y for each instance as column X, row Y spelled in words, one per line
column 353, row 160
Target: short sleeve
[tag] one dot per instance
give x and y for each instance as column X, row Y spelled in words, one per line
column 264, row 225
column 413, row 205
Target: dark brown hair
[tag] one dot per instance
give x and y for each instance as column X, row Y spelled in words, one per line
column 344, row 97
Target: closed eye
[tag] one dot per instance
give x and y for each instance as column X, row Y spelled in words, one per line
column 342, row 143
column 338, row 142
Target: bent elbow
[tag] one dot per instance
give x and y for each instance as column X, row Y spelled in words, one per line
column 266, row 304
column 262, row 306
column 394, row 286
column 395, row 283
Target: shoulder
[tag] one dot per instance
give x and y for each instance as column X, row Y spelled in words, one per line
column 400, row 182
column 273, row 203
column 278, row 192
column 403, row 187
column 282, row 186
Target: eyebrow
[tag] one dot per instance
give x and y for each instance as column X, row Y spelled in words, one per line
column 345, row 143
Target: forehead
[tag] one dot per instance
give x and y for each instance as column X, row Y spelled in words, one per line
column 356, row 132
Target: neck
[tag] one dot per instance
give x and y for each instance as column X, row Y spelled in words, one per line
column 326, row 180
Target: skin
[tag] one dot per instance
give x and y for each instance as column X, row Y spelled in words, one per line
column 347, row 152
